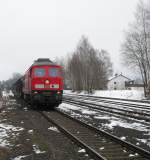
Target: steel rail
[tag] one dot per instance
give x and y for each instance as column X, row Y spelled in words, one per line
column 120, row 99
column 110, row 113
column 111, row 101
column 132, row 109
column 89, row 150
column 109, row 109
column 59, row 119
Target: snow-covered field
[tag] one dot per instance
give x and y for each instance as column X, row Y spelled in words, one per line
column 124, row 94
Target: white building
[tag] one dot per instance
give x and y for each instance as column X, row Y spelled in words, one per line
column 117, row 82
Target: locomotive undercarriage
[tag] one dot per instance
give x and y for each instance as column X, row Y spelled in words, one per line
column 49, row 99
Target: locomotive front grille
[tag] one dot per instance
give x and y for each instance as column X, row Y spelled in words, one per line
column 46, row 93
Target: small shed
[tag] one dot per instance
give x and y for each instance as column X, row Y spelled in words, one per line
column 134, row 86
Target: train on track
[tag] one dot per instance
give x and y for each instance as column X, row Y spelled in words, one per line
column 41, row 84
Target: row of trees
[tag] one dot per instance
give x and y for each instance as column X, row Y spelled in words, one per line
column 136, row 46
column 7, row 84
column 87, row 68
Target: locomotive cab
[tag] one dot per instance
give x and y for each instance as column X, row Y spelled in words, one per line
column 43, row 83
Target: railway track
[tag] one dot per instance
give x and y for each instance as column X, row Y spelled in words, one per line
column 114, row 99
column 129, row 103
column 99, row 144
column 135, row 113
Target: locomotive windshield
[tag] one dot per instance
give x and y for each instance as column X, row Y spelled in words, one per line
column 54, row 72
column 39, row 72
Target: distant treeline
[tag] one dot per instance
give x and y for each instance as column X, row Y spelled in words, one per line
column 7, row 84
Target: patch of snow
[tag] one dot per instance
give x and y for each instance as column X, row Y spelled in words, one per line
column 102, row 117
column 133, row 155
column 88, row 112
column 25, row 108
column 125, row 94
column 123, row 138
column 16, row 129
column 82, row 151
column 20, row 157
column 146, row 141
column 37, row 150
column 30, row 131
column 53, row 129
column 18, row 145
column 6, row 133
column 67, row 107
column 135, row 125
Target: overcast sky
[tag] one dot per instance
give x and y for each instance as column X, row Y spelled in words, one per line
column 30, row 29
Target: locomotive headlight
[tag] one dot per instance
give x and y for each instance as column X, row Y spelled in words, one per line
column 47, row 82
column 58, row 92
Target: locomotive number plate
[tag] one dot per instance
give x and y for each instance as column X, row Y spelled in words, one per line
column 39, row 86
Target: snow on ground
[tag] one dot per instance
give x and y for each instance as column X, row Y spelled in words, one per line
column 37, row 150
column 5, row 132
column 110, row 122
column 20, row 157
column 30, row 131
column 124, row 94
column 53, row 129
column 135, row 125
column 120, row 106
column 67, row 107
column 82, row 151
column 7, row 93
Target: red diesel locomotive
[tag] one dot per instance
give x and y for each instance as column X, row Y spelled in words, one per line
column 42, row 84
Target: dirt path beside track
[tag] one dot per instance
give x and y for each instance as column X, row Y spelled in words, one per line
column 25, row 135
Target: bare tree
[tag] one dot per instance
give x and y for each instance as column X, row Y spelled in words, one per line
column 63, row 63
column 88, row 68
column 136, row 47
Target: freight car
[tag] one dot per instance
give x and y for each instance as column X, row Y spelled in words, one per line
column 41, row 84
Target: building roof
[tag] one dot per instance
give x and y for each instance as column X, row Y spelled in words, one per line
column 120, row 75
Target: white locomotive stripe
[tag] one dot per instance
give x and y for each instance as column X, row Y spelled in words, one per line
column 54, row 85
column 39, row 85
